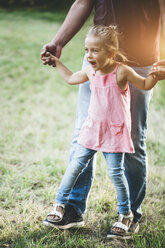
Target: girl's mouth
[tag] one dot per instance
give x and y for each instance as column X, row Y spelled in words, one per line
column 93, row 64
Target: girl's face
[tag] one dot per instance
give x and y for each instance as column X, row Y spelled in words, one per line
column 96, row 53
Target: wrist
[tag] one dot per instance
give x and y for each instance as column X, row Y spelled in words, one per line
column 57, row 43
column 59, row 40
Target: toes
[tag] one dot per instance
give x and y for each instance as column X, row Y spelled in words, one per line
column 117, row 230
column 53, row 217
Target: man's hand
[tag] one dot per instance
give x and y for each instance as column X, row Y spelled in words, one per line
column 45, row 53
column 161, row 62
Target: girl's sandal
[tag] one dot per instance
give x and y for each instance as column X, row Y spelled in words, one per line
column 119, row 225
column 57, row 214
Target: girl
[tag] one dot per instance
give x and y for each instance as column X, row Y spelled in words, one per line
column 108, row 125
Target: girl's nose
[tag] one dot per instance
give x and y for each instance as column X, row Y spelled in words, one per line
column 89, row 55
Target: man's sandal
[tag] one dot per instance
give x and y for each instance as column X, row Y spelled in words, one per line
column 119, row 224
column 57, row 214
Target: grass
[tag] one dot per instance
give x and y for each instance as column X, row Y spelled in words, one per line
column 37, row 119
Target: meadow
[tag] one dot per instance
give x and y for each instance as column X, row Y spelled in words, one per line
column 37, row 114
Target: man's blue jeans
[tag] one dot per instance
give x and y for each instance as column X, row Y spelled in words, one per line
column 80, row 160
column 135, row 164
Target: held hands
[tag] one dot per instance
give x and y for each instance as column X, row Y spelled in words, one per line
column 50, row 48
column 49, row 59
column 158, row 70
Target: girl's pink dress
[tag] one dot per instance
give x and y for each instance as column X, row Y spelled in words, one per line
column 108, row 125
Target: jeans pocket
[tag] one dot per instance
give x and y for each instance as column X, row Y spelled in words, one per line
column 116, row 128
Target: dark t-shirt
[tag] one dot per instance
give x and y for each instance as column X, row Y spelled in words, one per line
column 138, row 21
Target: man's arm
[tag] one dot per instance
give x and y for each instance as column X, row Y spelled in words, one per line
column 158, row 72
column 77, row 15
column 162, row 11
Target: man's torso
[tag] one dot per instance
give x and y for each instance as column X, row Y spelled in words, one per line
column 138, row 21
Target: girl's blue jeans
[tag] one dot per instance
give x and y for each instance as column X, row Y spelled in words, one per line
column 135, row 164
column 80, row 160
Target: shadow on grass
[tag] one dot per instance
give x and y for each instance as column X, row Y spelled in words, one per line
column 39, row 236
column 52, row 237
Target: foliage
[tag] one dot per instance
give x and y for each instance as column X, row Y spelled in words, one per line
column 38, row 3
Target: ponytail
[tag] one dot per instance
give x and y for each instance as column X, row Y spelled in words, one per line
column 120, row 57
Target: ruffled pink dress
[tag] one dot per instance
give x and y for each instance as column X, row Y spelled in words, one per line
column 108, row 125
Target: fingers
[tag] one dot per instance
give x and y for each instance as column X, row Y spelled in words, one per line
column 158, row 70
column 43, row 51
column 53, row 62
column 49, row 59
column 47, row 53
column 46, row 50
column 49, row 47
column 161, row 62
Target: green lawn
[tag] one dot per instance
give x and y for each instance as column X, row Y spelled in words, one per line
column 37, row 113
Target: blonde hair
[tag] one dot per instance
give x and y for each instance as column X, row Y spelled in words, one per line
column 110, row 37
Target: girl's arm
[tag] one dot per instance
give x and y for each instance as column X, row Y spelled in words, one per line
column 139, row 81
column 70, row 77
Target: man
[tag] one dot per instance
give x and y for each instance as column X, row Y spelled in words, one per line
column 139, row 23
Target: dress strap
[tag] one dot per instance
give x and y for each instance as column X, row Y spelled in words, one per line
column 116, row 67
